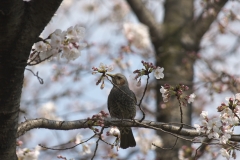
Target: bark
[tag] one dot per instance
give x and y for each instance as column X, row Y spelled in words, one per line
column 181, row 35
column 21, row 23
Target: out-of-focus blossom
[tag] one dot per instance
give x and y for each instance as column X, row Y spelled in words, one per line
column 78, row 138
column 225, row 153
column 86, row 149
column 114, row 131
column 164, row 94
column 48, row 111
column 27, row 154
column 157, row 141
column 191, row 98
column 137, row 34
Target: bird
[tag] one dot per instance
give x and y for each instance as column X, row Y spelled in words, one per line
column 122, row 105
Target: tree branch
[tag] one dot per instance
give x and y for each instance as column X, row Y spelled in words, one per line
column 203, row 23
column 85, row 123
column 145, row 17
column 200, row 26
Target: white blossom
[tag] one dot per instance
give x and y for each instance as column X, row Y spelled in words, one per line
column 225, row 153
column 102, row 66
column 71, row 32
column 40, row 46
column 157, row 141
column 86, row 149
column 163, row 90
column 199, row 128
column 48, row 110
column 164, row 94
column 204, row 114
column 114, row 131
column 110, row 68
column 64, row 44
column 78, row 138
column 224, row 138
column 158, row 73
column 137, row 34
column 56, row 41
column 80, row 31
column 191, row 98
column 27, row 154
column 165, row 99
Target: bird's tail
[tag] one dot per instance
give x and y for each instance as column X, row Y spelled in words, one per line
column 127, row 138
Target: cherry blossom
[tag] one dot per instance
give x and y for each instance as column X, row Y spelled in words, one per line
column 114, row 131
column 164, row 94
column 28, row 154
column 158, row 73
column 225, row 153
column 191, row 98
column 40, row 46
column 137, row 34
column 64, row 44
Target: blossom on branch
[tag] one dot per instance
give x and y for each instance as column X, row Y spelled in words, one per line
column 191, row 98
column 64, row 44
column 158, row 73
column 114, row 131
column 40, row 46
column 165, row 94
column 225, row 153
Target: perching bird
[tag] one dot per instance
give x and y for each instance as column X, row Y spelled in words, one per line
column 122, row 104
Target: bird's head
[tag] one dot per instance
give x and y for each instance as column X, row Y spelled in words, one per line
column 118, row 79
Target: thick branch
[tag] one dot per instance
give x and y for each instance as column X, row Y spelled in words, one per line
column 145, row 17
column 199, row 27
column 203, row 23
column 84, row 123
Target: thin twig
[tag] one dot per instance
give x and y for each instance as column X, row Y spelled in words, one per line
column 36, row 75
column 140, row 102
column 68, row 147
column 99, row 138
column 32, row 64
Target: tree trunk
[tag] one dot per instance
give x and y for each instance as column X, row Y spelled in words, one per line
column 21, row 24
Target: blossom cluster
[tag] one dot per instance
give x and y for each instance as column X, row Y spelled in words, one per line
column 148, row 68
column 60, row 44
column 167, row 91
column 221, row 127
column 98, row 118
column 137, row 34
column 28, row 154
column 103, row 68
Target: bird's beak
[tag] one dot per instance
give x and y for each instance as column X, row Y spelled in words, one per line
column 111, row 75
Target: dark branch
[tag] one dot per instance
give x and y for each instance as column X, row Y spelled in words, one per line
column 36, row 75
